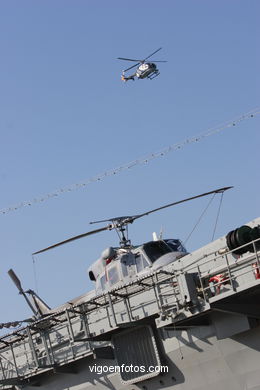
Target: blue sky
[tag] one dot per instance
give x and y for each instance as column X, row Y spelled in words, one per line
column 65, row 116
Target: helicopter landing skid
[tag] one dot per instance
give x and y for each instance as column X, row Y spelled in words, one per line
column 153, row 75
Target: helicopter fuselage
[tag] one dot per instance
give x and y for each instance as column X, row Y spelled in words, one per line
column 144, row 69
column 147, row 69
column 123, row 265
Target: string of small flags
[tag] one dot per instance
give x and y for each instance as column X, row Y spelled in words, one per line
column 13, row 324
column 140, row 161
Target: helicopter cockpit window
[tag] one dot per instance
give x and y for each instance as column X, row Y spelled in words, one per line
column 124, row 265
column 156, row 249
column 103, row 282
column 140, row 262
column 175, row 245
column 113, row 276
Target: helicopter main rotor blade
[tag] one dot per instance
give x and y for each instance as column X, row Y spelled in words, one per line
column 152, row 53
column 128, row 59
column 122, row 221
column 130, row 219
column 131, row 67
column 160, row 61
column 16, row 280
column 18, row 284
column 115, row 219
column 219, row 190
column 73, row 239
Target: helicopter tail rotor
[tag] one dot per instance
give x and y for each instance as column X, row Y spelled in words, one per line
column 125, row 79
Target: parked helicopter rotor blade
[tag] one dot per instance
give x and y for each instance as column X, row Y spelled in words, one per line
column 218, row 190
column 18, row 284
column 16, row 280
column 109, row 227
column 130, row 219
column 114, row 219
column 128, row 59
column 119, row 222
column 14, row 324
column 133, row 66
column 152, row 53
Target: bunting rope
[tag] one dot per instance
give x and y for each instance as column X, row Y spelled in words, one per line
column 134, row 163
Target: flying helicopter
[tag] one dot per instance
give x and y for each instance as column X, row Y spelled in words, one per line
column 144, row 69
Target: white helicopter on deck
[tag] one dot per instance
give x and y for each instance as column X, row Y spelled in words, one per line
column 145, row 69
column 117, row 265
column 125, row 263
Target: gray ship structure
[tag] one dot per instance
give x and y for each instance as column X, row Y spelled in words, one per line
column 196, row 315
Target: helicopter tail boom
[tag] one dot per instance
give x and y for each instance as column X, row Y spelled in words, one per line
column 127, row 78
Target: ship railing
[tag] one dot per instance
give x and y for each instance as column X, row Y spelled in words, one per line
column 70, row 334
column 231, row 274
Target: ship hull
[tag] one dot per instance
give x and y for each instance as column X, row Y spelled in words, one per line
column 197, row 318
column 198, row 358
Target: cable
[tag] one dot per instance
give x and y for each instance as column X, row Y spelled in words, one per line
column 140, row 161
column 35, row 274
column 202, row 214
column 219, row 207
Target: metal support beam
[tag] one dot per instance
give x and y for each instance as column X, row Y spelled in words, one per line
column 70, row 331
column 85, row 325
column 112, row 308
column 33, row 351
column 49, row 361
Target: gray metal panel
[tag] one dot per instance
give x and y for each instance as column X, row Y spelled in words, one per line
column 136, row 348
column 228, row 325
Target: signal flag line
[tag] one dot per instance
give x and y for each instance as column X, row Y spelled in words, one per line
column 140, row 161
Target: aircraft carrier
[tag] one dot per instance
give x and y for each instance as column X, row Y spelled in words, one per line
column 195, row 314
